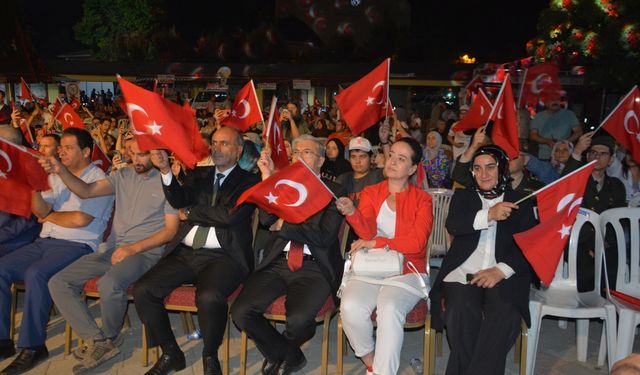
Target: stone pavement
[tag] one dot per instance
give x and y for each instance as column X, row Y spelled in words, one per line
column 557, row 352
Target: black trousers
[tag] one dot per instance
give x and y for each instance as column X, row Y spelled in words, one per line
column 215, row 276
column 307, row 291
column 481, row 329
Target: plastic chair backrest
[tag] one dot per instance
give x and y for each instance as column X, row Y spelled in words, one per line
column 628, row 277
column 565, row 278
column 439, row 239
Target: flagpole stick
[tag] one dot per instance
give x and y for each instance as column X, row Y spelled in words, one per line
column 319, row 179
column 524, row 79
column 386, row 113
column 272, row 110
column 493, row 109
column 255, row 94
column 555, row 182
column 615, row 109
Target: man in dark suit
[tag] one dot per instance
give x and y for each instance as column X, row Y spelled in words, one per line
column 307, row 288
column 212, row 250
column 482, row 290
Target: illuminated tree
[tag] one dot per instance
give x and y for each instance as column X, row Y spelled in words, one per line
column 603, row 35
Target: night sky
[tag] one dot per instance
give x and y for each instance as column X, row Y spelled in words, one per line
column 492, row 31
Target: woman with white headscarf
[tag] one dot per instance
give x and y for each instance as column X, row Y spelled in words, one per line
column 435, row 160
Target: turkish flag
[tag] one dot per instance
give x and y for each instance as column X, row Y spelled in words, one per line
column 59, row 102
column 475, row 85
column 477, row 115
column 26, row 131
column 20, row 173
column 623, row 123
column 25, row 93
column 293, row 194
column 75, row 104
column 540, row 82
column 276, row 143
column 99, row 158
column 159, row 123
column 246, row 109
column 504, row 131
column 558, row 205
column 362, row 104
column 69, row 118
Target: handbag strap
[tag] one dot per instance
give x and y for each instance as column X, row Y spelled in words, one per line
column 423, row 292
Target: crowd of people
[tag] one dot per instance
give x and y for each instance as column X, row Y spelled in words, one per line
column 171, row 225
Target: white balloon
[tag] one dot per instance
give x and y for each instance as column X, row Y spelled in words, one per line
column 302, row 191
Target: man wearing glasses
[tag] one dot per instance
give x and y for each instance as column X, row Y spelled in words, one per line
column 602, row 192
column 307, row 284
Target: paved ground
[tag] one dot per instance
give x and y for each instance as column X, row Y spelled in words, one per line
column 557, row 354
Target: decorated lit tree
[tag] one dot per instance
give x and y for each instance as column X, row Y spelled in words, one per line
column 601, row 35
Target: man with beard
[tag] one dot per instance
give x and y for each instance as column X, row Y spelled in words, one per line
column 142, row 224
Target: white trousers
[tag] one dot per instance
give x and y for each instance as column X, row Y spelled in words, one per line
column 359, row 299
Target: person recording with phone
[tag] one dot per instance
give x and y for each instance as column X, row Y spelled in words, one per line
column 293, row 125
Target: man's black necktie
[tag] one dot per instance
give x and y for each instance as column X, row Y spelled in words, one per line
column 200, row 238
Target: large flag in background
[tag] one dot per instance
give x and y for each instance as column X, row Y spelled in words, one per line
column 623, row 123
column 246, row 109
column 20, row 173
column 69, row 118
column 160, row 123
column 558, row 205
column 540, row 82
column 294, row 194
column 362, row 104
column 477, row 115
column 504, row 131
column 26, row 132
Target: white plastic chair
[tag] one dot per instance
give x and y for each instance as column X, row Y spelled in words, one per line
column 439, row 242
column 562, row 298
column 628, row 274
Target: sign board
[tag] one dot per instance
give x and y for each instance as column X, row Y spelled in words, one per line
column 301, row 84
column 72, row 89
column 266, row 86
column 166, row 78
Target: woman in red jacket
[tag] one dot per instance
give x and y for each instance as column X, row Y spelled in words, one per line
column 396, row 214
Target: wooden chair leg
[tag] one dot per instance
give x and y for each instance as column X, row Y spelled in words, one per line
column 145, row 347
column 325, row 344
column 14, row 308
column 67, row 338
column 426, row 346
column 225, row 347
column 524, row 338
column 243, row 353
column 516, row 350
column 127, row 321
column 432, row 350
column 340, row 348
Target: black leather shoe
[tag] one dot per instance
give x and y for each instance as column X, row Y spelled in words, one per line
column 166, row 364
column 270, row 368
column 27, row 359
column 211, row 366
column 293, row 364
column 7, row 349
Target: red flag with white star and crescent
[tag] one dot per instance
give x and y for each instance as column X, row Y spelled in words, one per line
column 69, row 118
column 540, row 83
column 20, row 173
column 159, row 123
column 558, row 205
column 477, row 115
column 294, row 194
column 246, row 109
column 623, row 123
column 363, row 103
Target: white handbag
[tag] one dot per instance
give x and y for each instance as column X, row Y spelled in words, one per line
column 377, row 263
